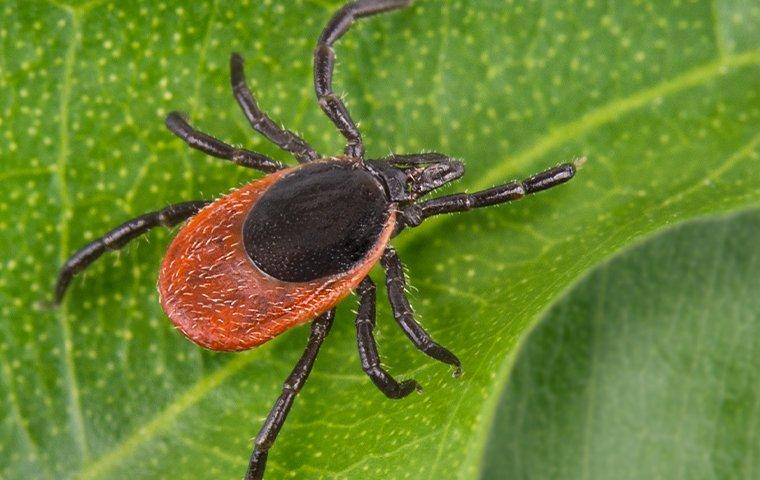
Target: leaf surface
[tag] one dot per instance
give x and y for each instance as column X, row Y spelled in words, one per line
column 646, row 369
column 662, row 99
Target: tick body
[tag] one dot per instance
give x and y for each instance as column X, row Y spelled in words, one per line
column 274, row 254
column 286, row 249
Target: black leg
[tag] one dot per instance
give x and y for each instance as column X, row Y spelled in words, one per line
column 365, row 324
column 217, row 148
column 320, row 327
column 120, row 236
column 412, row 159
column 402, row 312
column 461, row 202
column 285, row 139
column 324, row 64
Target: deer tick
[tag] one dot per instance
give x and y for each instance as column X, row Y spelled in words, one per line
column 286, row 249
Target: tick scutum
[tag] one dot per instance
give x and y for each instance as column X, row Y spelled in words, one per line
column 318, row 221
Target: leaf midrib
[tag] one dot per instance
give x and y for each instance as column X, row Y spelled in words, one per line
column 69, row 368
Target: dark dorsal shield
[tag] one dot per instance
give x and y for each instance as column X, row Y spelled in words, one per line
column 319, row 220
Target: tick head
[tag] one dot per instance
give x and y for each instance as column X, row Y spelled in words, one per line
column 406, row 180
column 423, row 179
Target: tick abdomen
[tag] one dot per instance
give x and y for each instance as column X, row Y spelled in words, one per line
column 319, row 220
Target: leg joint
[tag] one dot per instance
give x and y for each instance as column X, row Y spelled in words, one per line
column 328, row 101
column 324, row 51
column 263, row 442
column 412, row 216
column 291, row 387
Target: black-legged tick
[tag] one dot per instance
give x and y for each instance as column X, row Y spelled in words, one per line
column 286, row 249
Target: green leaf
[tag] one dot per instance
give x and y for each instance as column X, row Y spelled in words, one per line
column 646, row 369
column 661, row 98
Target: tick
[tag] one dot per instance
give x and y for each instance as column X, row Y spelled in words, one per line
column 286, row 249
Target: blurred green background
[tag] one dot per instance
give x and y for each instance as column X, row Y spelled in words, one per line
column 644, row 366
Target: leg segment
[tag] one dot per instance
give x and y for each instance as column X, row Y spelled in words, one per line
column 320, row 327
column 285, row 139
column 412, row 159
column 461, row 202
column 120, row 236
column 324, row 64
column 402, row 311
column 217, row 148
column 365, row 324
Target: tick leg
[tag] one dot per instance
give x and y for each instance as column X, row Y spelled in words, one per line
column 120, row 236
column 461, row 202
column 324, row 64
column 285, row 139
column 217, row 148
column 408, row 159
column 365, row 324
column 402, row 312
column 320, row 327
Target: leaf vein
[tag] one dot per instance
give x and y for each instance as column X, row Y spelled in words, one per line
column 64, row 152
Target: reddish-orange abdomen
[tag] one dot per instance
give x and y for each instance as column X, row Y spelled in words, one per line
column 220, row 300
